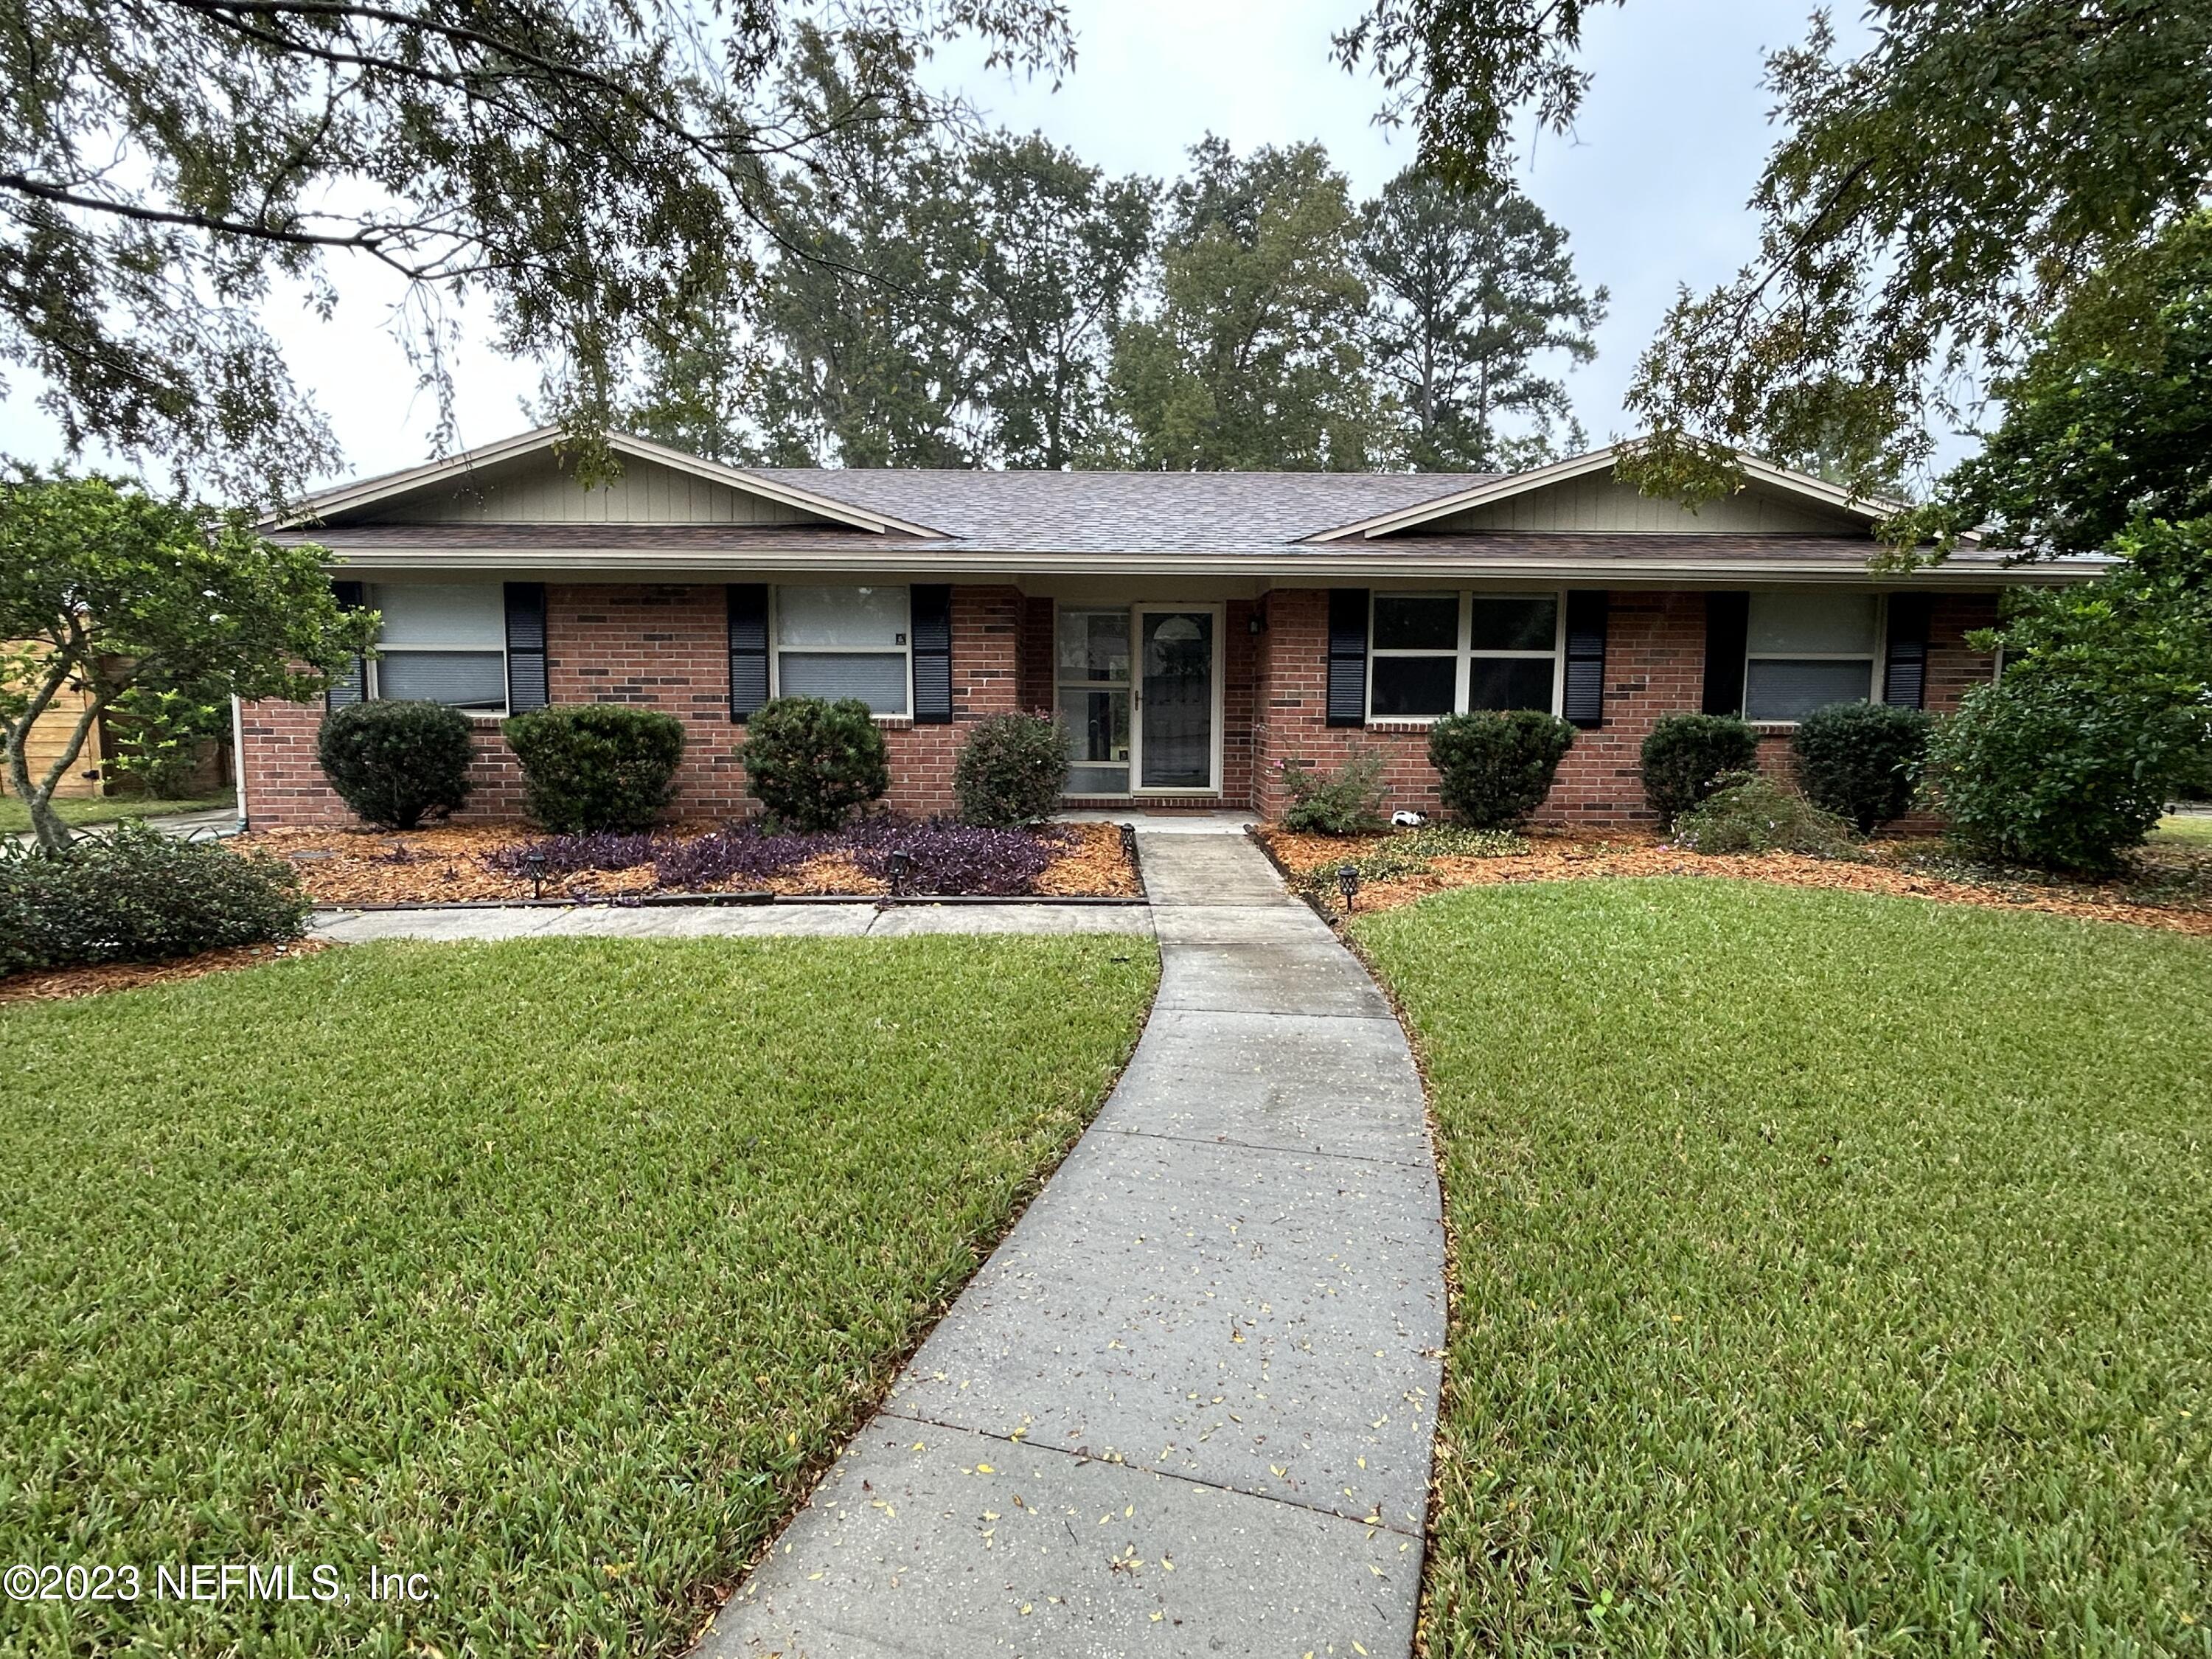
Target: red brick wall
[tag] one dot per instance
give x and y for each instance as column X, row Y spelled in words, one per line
column 664, row 647
column 1654, row 665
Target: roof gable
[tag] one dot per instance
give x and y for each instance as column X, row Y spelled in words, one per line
column 1580, row 496
column 525, row 480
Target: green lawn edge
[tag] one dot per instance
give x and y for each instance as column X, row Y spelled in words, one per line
column 1828, row 1271
column 81, row 810
column 415, row 1257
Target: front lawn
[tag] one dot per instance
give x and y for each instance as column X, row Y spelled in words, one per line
column 1830, row 1272
column 549, row 1271
column 81, row 810
column 2193, row 829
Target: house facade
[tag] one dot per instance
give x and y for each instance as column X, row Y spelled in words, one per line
column 1193, row 631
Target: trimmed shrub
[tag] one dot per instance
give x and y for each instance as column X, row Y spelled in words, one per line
column 590, row 767
column 2042, row 773
column 1496, row 768
column 1861, row 761
column 136, row 895
column 1750, row 813
column 1010, row 770
column 1687, row 755
column 396, row 763
column 1346, row 802
column 811, row 763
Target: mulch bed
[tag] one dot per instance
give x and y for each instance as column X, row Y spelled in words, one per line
column 44, row 984
column 456, row 864
column 1889, row 868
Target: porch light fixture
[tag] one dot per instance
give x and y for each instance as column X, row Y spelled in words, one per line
column 534, row 861
column 900, row 866
column 1256, row 623
column 1347, row 882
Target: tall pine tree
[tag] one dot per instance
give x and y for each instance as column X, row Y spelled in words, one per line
column 1474, row 299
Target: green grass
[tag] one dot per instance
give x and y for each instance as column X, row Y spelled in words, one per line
column 15, row 816
column 549, row 1270
column 1831, row 1273
column 2195, row 829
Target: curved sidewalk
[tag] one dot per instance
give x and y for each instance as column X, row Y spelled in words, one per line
column 1186, row 1407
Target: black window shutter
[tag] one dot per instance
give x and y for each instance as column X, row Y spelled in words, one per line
column 352, row 685
column 1728, row 632
column 748, row 647
column 1583, row 703
column 525, row 647
column 1905, row 674
column 1347, row 656
column 931, row 620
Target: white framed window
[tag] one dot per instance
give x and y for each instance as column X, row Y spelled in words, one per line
column 1436, row 653
column 1091, row 683
column 845, row 642
column 441, row 642
column 1805, row 650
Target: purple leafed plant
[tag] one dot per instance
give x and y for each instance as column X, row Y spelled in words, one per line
column 947, row 858
column 565, row 854
column 958, row 858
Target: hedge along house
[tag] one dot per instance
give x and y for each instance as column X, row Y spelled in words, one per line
column 1193, row 630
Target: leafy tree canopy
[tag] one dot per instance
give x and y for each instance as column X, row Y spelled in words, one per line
column 2106, row 421
column 1473, row 288
column 929, row 304
column 1253, row 358
column 1931, row 198
column 587, row 168
column 107, row 589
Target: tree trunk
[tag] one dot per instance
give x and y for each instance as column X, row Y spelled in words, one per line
column 53, row 834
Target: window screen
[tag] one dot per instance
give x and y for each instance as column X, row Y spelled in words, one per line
column 1808, row 650
column 442, row 642
column 841, row 641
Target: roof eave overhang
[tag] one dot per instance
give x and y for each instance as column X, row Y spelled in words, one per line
column 320, row 507
column 1800, row 485
column 1363, row 565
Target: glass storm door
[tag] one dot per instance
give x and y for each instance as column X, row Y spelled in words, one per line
column 1175, row 714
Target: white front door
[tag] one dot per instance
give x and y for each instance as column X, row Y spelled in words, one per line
column 1139, row 688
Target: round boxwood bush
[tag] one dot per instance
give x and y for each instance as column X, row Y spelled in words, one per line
column 1494, row 770
column 1687, row 755
column 2055, row 775
column 396, row 763
column 136, row 895
column 811, row 763
column 592, row 767
column 1861, row 761
column 1011, row 771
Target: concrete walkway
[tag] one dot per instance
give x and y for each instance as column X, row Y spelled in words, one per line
column 1186, row 1407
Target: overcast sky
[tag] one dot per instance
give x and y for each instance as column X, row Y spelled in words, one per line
column 1651, row 188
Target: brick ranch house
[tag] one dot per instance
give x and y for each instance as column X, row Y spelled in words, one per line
column 1193, row 630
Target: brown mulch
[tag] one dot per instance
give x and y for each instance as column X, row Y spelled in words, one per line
column 1553, row 856
column 446, row 865
column 1096, row 866
column 41, row 985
